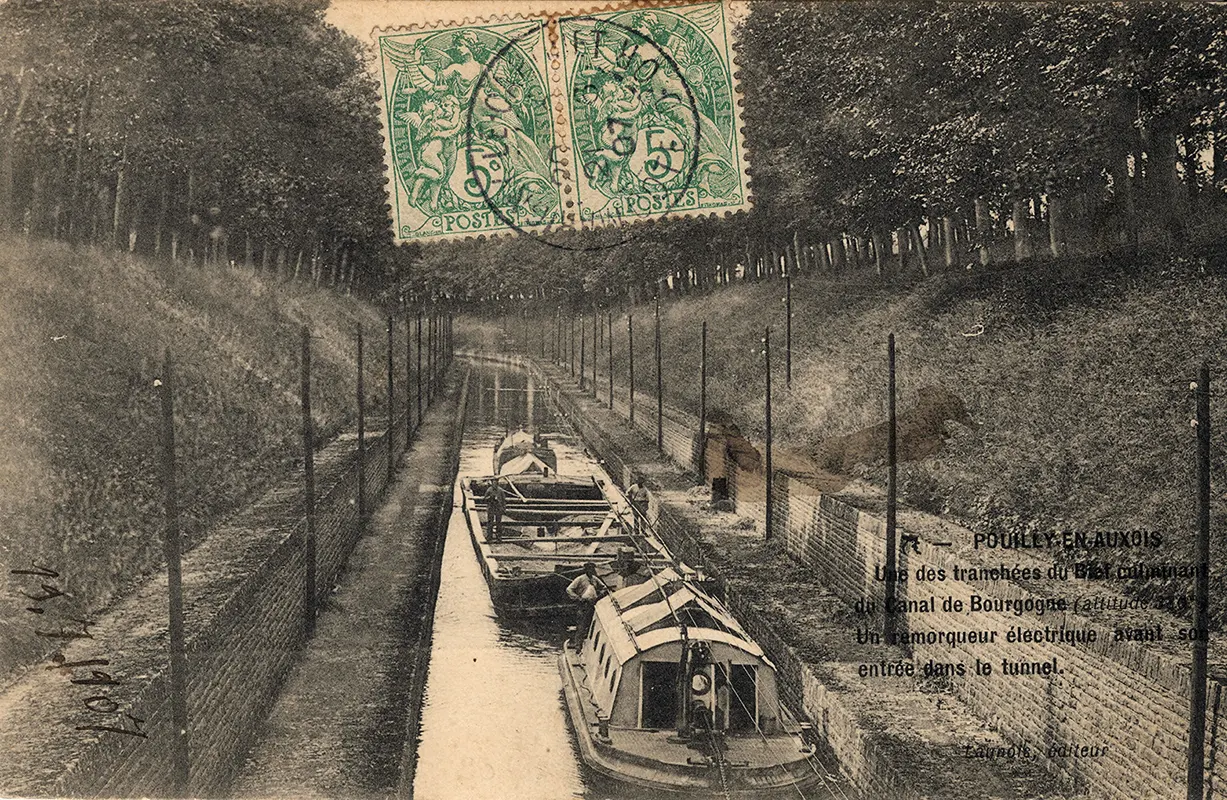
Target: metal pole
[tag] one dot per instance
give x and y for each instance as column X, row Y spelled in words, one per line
column 174, row 574
column 609, row 342
column 891, row 494
column 703, row 403
column 630, row 350
column 1201, row 593
column 308, row 462
column 582, row 334
column 788, row 330
column 361, row 435
column 408, row 372
column 660, row 388
column 391, row 436
column 417, row 375
column 770, row 512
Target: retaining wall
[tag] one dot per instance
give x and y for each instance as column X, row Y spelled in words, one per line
column 1132, row 697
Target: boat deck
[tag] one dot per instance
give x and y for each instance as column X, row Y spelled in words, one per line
column 741, row 750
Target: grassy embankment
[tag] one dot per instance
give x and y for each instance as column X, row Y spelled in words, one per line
column 1075, row 381
column 82, row 335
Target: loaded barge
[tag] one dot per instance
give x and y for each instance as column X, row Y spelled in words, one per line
column 544, row 527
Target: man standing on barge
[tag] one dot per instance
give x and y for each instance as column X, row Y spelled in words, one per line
column 585, row 590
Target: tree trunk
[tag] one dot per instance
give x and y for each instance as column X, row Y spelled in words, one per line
column 264, row 256
column 948, row 240
column 879, row 246
column 919, row 247
column 102, row 202
column 8, row 156
column 280, row 271
column 160, row 224
column 76, row 214
column 344, row 263
column 1163, row 181
column 349, row 276
column 134, row 227
column 1022, row 240
column 839, row 256
column 821, row 256
column 1219, row 162
column 1191, row 163
column 983, row 231
column 901, row 238
column 298, row 264
column 120, row 189
column 1129, row 203
column 1056, row 221
column 34, row 213
column 192, row 221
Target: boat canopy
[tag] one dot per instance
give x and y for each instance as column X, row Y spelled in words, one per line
column 519, row 437
column 643, row 616
column 524, row 463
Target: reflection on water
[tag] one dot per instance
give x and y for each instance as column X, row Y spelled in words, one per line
column 493, row 721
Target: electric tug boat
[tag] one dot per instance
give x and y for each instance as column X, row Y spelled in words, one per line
column 549, row 527
column 666, row 691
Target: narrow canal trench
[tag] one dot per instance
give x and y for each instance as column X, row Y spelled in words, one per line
column 491, row 722
column 492, row 719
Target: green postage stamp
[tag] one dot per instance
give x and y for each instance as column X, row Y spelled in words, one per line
column 562, row 121
column 470, row 137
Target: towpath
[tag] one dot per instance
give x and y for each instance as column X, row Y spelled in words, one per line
column 339, row 727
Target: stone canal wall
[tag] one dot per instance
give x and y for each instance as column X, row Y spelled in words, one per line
column 243, row 596
column 1104, row 714
column 1111, row 716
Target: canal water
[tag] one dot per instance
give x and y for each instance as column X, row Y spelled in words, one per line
column 493, row 723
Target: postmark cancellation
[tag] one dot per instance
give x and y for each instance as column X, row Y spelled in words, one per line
column 561, row 121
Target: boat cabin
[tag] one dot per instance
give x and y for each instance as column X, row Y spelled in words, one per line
column 664, row 655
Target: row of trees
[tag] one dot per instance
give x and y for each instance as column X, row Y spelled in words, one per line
column 1071, row 126
column 895, row 139
column 199, row 130
column 910, row 138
